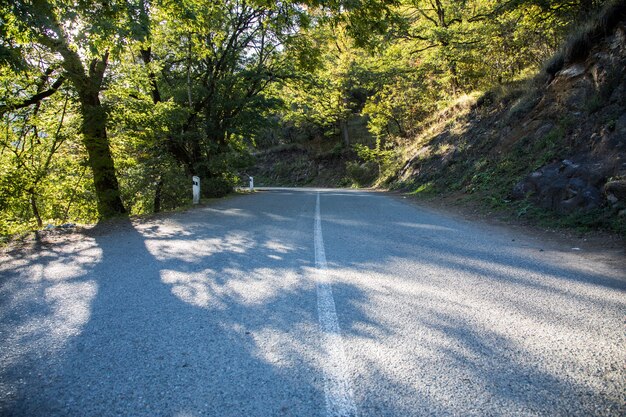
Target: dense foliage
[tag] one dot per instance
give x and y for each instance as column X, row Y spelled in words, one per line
column 108, row 107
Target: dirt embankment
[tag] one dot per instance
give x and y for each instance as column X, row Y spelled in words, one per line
column 554, row 148
column 298, row 165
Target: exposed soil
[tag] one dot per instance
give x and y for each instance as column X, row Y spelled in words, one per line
column 558, row 143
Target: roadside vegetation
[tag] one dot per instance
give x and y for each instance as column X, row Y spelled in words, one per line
column 108, row 108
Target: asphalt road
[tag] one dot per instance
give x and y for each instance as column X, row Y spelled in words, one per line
column 303, row 302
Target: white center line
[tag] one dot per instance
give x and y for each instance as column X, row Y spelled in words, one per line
column 337, row 385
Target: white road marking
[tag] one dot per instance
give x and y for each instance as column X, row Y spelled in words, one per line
column 337, row 385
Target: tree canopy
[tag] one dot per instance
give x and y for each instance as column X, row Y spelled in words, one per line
column 107, row 107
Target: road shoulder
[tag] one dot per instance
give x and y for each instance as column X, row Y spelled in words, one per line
column 596, row 246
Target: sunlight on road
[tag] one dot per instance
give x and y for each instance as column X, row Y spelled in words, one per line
column 53, row 283
column 434, row 314
column 219, row 290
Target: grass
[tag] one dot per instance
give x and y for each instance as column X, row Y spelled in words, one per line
column 425, row 189
column 598, row 219
column 582, row 40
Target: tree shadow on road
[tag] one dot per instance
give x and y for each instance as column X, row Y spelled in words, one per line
column 491, row 323
column 212, row 312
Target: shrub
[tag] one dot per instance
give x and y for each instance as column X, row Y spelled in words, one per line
column 581, row 42
column 555, row 64
column 216, row 187
column 579, row 45
column 362, row 174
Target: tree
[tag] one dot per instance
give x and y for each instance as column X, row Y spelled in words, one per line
column 214, row 61
column 79, row 39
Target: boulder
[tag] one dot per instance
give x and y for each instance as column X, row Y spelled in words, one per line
column 565, row 186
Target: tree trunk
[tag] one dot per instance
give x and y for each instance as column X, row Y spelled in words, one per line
column 100, row 158
column 157, row 195
column 33, row 205
column 345, row 135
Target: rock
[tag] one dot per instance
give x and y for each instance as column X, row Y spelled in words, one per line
column 596, row 174
column 617, row 189
column 566, row 186
column 569, row 169
column 575, row 98
column 572, row 72
column 574, row 187
column 592, row 197
column 620, row 124
column 619, row 40
column 544, row 130
column 612, row 199
column 595, row 137
column 598, row 72
column 522, row 190
column 551, row 195
column 587, row 199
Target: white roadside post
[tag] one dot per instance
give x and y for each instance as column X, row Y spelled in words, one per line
column 251, row 183
column 196, row 189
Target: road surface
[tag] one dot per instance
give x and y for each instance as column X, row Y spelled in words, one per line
column 304, row 302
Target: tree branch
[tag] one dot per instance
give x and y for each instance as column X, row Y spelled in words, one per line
column 34, row 99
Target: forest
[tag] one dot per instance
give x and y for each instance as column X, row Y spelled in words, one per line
column 109, row 107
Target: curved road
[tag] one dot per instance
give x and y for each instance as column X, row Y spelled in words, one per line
column 304, row 302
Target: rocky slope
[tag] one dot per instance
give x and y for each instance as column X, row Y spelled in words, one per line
column 558, row 143
column 299, row 165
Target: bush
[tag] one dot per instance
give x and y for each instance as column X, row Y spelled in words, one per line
column 579, row 46
column 581, row 42
column 216, row 187
column 555, row 64
column 362, row 174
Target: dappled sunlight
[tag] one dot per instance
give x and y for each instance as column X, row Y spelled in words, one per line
column 197, row 249
column 340, row 221
column 163, row 230
column 65, row 310
column 516, row 273
column 221, row 315
column 193, row 288
column 276, row 217
column 186, row 414
column 51, row 285
column 468, row 311
column 286, row 348
column 425, row 226
column 60, row 263
column 230, row 212
column 70, row 306
column 276, row 246
column 220, row 289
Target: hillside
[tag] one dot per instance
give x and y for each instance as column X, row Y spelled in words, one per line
column 555, row 147
column 550, row 149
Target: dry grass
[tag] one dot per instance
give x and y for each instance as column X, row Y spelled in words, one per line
column 581, row 42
